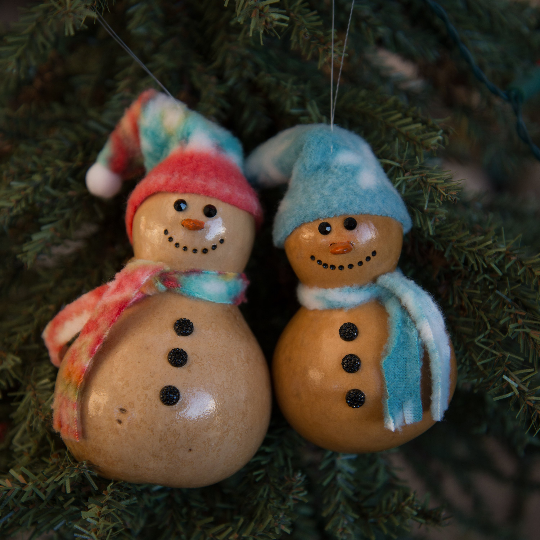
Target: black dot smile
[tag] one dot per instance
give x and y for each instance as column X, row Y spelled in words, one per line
column 193, row 250
column 340, row 267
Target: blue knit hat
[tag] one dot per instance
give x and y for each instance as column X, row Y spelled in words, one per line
column 330, row 173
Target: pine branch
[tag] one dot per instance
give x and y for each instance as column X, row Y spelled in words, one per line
column 494, row 314
column 9, row 372
column 35, row 35
column 262, row 18
column 307, row 36
column 363, row 498
column 41, row 501
column 391, row 119
column 32, row 414
column 297, row 19
column 290, row 99
column 106, row 513
column 339, row 500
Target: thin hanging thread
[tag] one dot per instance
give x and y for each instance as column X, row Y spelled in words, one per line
column 333, row 98
column 332, row 73
column 342, row 59
column 118, row 40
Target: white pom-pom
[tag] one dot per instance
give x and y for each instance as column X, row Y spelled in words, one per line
column 102, row 182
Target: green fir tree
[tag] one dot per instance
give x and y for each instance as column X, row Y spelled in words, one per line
column 258, row 67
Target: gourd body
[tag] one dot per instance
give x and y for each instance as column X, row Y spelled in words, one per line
column 217, row 424
column 311, row 384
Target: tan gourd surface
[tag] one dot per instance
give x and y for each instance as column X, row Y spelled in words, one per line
column 225, row 395
column 309, row 380
column 157, row 214
column 373, row 233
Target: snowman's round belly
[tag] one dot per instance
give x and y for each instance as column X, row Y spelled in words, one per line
column 331, row 389
column 182, row 406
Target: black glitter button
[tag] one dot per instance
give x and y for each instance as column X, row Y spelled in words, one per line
column 221, row 241
column 170, row 395
column 177, row 357
column 368, row 258
column 332, row 267
column 360, row 263
column 325, row 265
column 205, row 250
column 177, row 245
column 355, row 398
column 214, row 246
column 185, row 248
column 166, row 231
column 184, row 327
column 170, row 238
column 373, row 253
column 351, row 363
column 350, row 266
column 312, row 257
column 319, row 261
column 341, row 267
column 194, row 250
column 348, row 331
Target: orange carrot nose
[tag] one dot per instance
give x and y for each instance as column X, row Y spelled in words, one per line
column 193, row 224
column 340, row 248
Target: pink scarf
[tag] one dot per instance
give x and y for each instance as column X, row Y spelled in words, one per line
column 93, row 315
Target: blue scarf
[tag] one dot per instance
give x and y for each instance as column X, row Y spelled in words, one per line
column 415, row 323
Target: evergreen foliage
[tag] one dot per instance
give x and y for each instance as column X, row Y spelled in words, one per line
column 258, row 67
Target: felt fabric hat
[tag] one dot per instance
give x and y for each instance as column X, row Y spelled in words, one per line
column 330, row 173
column 181, row 152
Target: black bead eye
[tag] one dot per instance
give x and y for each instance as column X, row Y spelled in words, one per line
column 209, row 210
column 350, row 223
column 325, row 227
column 180, row 205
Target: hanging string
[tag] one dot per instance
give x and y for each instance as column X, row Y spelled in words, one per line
column 511, row 96
column 332, row 73
column 342, row 59
column 118, row 40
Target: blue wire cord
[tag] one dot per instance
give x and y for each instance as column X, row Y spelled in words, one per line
column 512, row 96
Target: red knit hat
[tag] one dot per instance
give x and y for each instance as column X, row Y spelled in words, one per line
column 181, row 151
column 204, row 173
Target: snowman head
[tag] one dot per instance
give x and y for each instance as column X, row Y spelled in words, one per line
column 189, row 231
column 341, row 220
column 194, row 209
column 345, row 250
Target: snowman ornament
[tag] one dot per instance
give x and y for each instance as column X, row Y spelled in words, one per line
column 366, row 364
column 165, row 383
